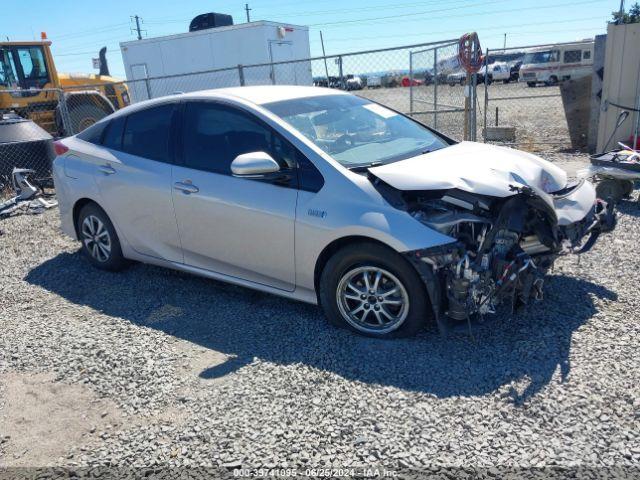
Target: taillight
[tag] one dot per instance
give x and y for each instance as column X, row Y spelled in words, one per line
column 60, row 148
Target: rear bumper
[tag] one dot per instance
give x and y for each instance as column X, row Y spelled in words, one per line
column 63, row 195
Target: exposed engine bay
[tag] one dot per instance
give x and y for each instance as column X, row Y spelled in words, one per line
column 502, row 247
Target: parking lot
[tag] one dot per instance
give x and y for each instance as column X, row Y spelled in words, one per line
column 152, row 367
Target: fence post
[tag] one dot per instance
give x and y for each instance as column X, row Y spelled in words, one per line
column 435, row 88
column 241, row 74
column 474, row 99
column 341, row 75
column 410, row 83
column 64, row 114
column 486, row 97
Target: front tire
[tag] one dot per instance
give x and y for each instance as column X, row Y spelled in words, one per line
column 372, row 290
column 100, row 243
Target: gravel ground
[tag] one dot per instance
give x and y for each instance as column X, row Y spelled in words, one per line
column 160, row 368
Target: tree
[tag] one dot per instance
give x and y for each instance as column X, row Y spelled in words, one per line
column 632, row 16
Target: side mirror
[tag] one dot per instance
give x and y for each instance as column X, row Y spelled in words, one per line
column 254, row 163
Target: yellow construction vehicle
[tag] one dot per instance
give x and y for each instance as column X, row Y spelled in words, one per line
column 31, row 87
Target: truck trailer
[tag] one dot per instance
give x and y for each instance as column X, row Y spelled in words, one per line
column 216, row 58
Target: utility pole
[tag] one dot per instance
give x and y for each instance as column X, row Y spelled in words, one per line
column 247, row 9
column 326, row 69
column 505, row 41
column 137, row 27
column 621, row 13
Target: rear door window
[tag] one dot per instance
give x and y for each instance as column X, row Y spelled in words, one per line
column 147, row 133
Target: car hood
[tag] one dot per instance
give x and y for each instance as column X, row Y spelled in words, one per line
column 473, row 167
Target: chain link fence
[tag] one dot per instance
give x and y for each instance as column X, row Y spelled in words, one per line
column 410, row 79
column 438, row 90
column 25, row 126
column 523, row 97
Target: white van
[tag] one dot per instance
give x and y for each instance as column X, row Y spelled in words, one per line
column 555, row 63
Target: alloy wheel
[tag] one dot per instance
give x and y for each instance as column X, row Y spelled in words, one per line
column 96, row 238
column 372, row 300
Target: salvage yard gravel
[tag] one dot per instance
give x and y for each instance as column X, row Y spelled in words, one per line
column 155, row 368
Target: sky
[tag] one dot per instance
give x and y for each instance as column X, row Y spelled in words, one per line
column 79, row 29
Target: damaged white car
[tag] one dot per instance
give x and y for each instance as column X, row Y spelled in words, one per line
column 324, row 197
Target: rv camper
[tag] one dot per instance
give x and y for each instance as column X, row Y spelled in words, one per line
column 555, row 63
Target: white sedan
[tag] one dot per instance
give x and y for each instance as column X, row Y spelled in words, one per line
column 324, row 197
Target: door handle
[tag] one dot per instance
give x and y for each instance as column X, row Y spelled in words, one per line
column 186, row 187
column 107, row 169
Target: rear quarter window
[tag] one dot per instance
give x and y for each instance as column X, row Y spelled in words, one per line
column 112, row 137
column 94, row 133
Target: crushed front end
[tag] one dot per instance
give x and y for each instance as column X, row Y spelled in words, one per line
column 502, row 247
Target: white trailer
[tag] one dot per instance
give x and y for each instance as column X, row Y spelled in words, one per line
column 189, row 61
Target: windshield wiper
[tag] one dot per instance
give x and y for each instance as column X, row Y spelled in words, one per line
column 364, row 166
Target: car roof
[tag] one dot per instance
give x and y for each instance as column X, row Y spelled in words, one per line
column 258, row 95
column 267, row 93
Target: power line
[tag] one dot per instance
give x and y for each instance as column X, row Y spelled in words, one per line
column 93, row 31
column 71, row 53
column 401, row 15
column 113, row 47
column 386, row 6
column 498, row 27
column 83, row 45
column 476, row 14
column 404, row 35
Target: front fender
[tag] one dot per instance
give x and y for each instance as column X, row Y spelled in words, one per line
column 318, row 225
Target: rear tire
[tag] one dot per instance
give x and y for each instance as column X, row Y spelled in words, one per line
column 100, row 243
column 374, row 291
column 531, row 84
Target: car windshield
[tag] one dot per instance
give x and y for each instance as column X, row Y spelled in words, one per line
column 355, row 131
column 540, row 57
